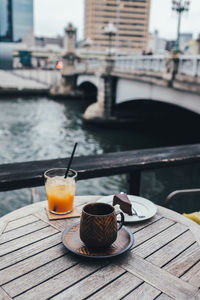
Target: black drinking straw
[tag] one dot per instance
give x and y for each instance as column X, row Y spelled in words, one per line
column 70, row 161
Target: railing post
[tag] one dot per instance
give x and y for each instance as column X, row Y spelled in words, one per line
column 134, row 182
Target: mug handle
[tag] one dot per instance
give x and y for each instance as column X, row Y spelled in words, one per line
column 121, row 223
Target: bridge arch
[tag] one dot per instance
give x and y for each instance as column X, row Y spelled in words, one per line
column 87, row 78
column 146, row 112
column 88, row 86
column 127, row 90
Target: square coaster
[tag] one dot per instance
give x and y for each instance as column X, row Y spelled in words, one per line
column 74, row 214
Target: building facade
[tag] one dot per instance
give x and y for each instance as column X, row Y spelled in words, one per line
column 157, row 45
column 130, row 19
column 16, row 20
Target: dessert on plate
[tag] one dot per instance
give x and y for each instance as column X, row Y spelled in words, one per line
column 123, row 201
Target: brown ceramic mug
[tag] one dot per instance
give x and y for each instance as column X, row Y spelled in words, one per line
column 98, row 225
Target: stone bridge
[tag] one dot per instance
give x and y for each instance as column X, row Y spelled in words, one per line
column 174, row 79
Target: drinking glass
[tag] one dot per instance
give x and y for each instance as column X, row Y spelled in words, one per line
column 60, row 190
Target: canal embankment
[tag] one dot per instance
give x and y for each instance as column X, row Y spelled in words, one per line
column 27, row 82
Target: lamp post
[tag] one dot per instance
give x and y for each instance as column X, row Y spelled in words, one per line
column 179, row 6
column 110, row 30
column 87, row 44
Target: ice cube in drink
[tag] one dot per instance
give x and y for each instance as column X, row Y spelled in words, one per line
column 60, row 193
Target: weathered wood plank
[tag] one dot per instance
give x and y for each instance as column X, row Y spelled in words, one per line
column 31, row 263
column 25, row 252
column 179, row 265
column 3, row 225
column 165, row 297
column 134, row 227
column 23, row 212
column 194, row 227
column 20, row 222
column 26, row 240
column 92, row 283
column 58, row 224
column 171, row 250
column 21, row 231
column 159, row 278
column 62, row 281
column 193, row 275
column 197, row 296
column 158, row 241
column 30, row 174
column 4, row 295
column 143, row 292
column 151, row 230
column 116, row 289
column 39, row 275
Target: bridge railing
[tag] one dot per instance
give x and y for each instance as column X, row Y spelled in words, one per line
column 189, row 65
column 154, row 63
column 88, row 65
column 46, row 77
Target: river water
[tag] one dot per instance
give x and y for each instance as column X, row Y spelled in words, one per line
column 42, row 128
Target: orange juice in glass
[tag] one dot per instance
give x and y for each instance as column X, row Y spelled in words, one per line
column 60, row 190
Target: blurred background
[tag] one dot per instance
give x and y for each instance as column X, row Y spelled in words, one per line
column 42, row 42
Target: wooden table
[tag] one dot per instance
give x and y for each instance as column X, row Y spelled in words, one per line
column 164, row 262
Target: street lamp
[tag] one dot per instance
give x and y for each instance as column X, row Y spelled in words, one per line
column 87, row 44
column 180, row 6
column 110, row 30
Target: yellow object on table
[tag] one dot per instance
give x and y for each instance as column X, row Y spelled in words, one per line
column 195, row 216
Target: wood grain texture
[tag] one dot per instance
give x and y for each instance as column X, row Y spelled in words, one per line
column 152, row 230
column 165, row 297
column 21, row 231
column 3, row 225
column 193, row 275
column 20, row 222
column 62, row 281
column 172, row 249
column 180, row 264
column 159, row 278
column 134, row 227
column 158, row 241
column 58, row 224
column 194, row 227
column 32, row 249
column 31, row 263
column 118, row 288
column 4, row 295
column 39, row 275
column 26, row 240
column 23, row 212
column 197, row 296
column 143, row 292
column 91, row 284
column 163, row 264
column 30, row 174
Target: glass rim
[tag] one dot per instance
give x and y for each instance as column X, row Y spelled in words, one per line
column 54, row 169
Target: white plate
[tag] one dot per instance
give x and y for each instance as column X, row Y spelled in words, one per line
column 143, row 207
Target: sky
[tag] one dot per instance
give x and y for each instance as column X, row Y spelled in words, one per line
column 51, row 16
